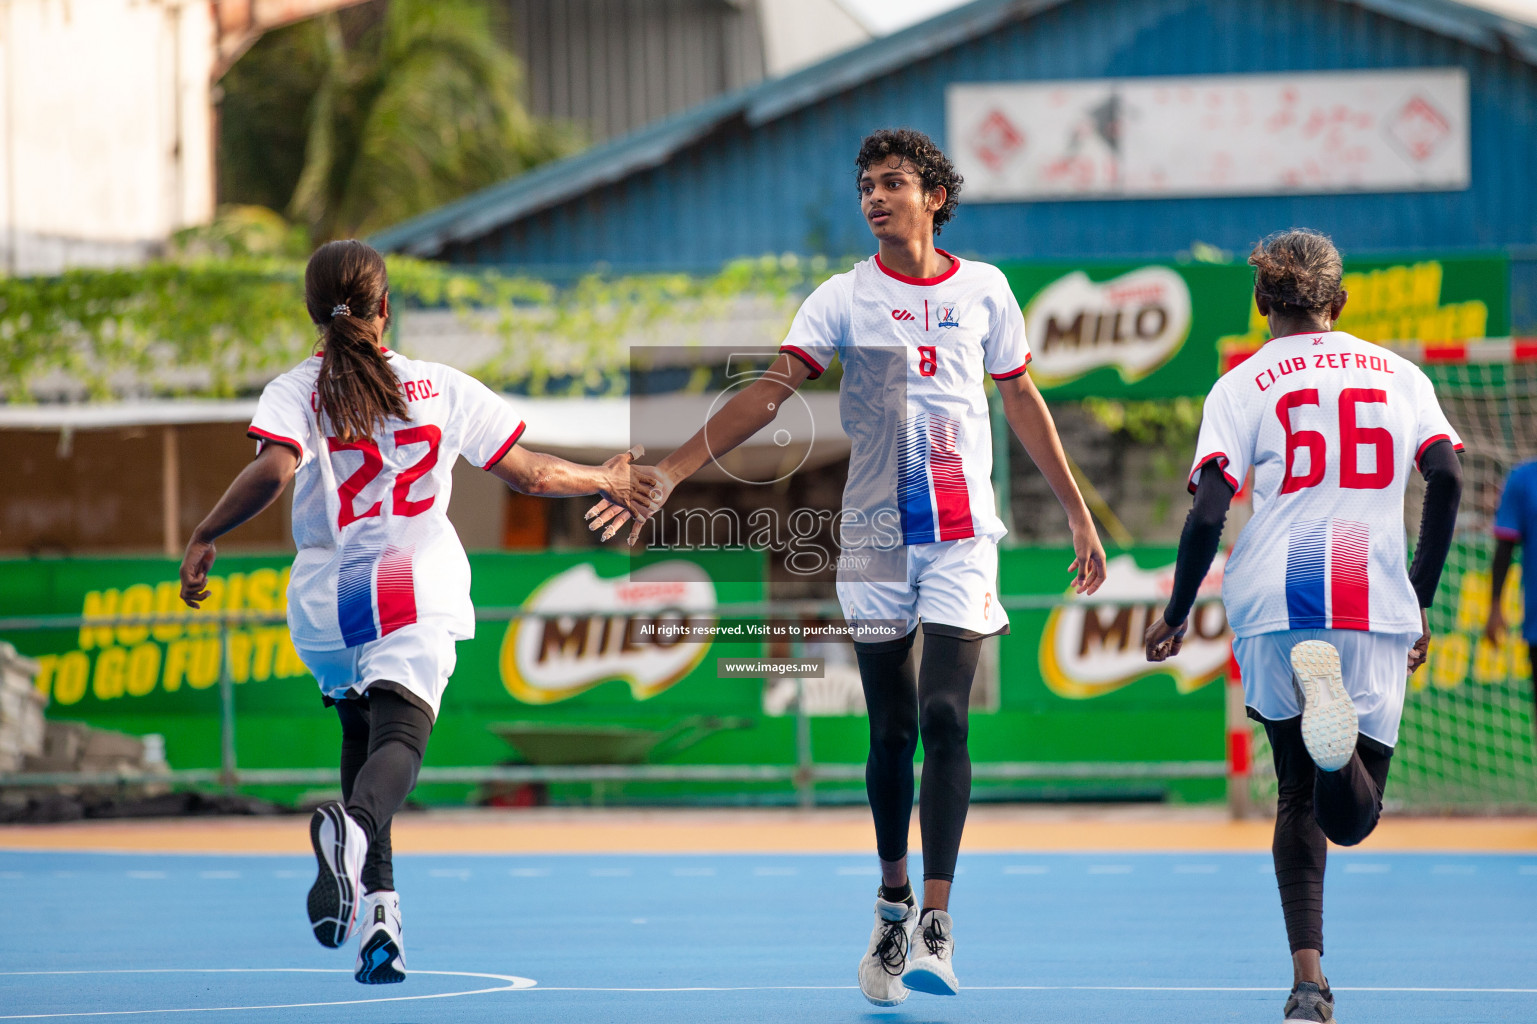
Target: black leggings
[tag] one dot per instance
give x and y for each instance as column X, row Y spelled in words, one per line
column 384, row 737
column 901, row 709
column 1312, row 806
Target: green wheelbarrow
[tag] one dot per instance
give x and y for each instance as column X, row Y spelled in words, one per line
column 548, row 743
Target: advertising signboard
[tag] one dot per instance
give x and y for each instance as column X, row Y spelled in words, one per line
column 1212, row 135
column 1163, row 330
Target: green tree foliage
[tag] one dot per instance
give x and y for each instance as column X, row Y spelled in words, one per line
column 359, row 119
column 225, row 313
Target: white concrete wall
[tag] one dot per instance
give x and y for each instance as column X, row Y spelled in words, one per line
column 801, row 32
column 106, row 128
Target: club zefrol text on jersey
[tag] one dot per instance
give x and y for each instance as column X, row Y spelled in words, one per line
column 1321, row 361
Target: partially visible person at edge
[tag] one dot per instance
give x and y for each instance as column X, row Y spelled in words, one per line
column 1327, row 619
column 380, row 587
column 1514, row 523
column 937, row 326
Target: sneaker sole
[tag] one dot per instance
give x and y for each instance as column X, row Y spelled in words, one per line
column 1329, row 723
column 377, row 958
column 898, row 1001
column 332, row 903
column 931, row 982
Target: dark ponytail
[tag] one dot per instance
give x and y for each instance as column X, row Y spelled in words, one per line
column 344, row 288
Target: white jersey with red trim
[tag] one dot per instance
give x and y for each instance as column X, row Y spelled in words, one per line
column 1332, row 427
column 950, row 330
column 370, row 518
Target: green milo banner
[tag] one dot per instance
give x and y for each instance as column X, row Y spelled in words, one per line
column 588, row 681
column 1161, row 330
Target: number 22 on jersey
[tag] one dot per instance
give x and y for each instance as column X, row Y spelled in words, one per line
column 373, row 465
column 1352, row 439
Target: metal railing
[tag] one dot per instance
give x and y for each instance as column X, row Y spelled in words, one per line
column 804, row 774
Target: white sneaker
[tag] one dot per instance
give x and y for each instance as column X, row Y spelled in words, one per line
column 880, row 969
column 381, row 946
column 340, row 846
column 931, row 970
column 1329, row 724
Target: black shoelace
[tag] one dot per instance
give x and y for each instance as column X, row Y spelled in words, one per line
column 932, row 938
column 891, row 951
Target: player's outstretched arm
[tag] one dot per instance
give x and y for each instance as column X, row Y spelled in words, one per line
column 622, row 484
column 1031, row 422
column 753, row 408
column 1198, row 544
column 1438, row 521
column 257, row 486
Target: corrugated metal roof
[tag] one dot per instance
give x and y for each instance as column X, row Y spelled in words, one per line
column 604, row 164
column 556, row 183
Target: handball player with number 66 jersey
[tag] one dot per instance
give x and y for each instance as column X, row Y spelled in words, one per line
column 1328, row 617
column 380, row 588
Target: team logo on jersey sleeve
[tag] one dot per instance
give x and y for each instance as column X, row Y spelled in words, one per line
column 1091, row 649
column 592, row 630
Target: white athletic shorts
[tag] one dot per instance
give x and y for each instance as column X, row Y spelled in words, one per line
column 1375, row 667
column 952, row 586
column 416, row 659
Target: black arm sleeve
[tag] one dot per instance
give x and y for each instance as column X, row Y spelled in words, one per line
column 1443, row 492
column 1199, row 542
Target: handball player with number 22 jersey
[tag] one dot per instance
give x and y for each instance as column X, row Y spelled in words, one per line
column 929, row 329
column 380, row 588
column 1328, row 620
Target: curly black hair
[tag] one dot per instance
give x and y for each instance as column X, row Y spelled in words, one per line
column 933, row 167
column 1299, row 268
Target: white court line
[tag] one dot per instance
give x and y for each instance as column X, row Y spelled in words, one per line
column 529, row 872
column 1030, row 988
column 288, row 874
column 528, row 985
column 463, row 874
column 11, row 874
column 513, row 983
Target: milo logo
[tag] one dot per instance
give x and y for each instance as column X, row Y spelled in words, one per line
column 590, row 630
column 1091, row 649
column 1135, row 323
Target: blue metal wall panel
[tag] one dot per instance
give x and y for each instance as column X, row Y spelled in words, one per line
column 788, row 186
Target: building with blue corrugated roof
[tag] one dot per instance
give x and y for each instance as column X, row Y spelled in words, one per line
column 769, row 168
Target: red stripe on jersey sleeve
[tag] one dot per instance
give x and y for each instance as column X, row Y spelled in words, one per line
column 506, row 447
column 816, row 368
column 1011, row 374
column 264, row 437
column 1222, row 460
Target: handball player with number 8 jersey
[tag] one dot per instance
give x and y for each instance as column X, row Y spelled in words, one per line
column 1328, row 619
column 928, row 329
column 380, row 588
